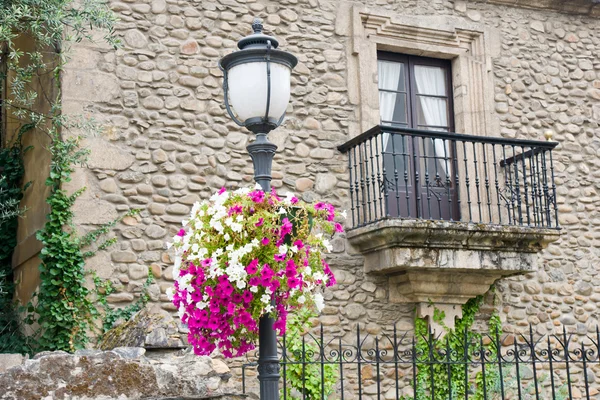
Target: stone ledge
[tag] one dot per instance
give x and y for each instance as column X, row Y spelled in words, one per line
column 122, row 373
column 444, row 263
column 449, row 235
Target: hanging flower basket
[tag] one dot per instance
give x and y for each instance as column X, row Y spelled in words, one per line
column 245, row 254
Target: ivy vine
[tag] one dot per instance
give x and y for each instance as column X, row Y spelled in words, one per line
column 441, row 381
column 110, row 315
column 301, row 375
column 63, row 310
column 11, row 192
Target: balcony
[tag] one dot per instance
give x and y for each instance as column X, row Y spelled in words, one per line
column 445, row 215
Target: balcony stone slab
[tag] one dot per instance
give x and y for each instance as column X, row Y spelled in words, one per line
column 443, row 264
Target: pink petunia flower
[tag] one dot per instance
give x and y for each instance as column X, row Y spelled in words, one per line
column 181, row 233
column 252, row 268
column 286, row 227
column 339, row 227
column 257, row 196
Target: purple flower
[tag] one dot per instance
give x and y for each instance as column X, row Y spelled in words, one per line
column 237, row 209
column 286, row 227
column 181, row 233
column 293, row 283
column 260, row 222
column 339, row 227
column 223, row 190
column 207, row 262
column 265, row 241
column 279, row 257
column 257, row 196
column 267, row 272
column 252, row 268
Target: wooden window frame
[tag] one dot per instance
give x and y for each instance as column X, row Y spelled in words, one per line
column 411, row 90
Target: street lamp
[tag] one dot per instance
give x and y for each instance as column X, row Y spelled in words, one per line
column 256, row 80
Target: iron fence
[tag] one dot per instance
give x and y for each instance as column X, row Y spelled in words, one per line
column 466, row 366
column 410, row 173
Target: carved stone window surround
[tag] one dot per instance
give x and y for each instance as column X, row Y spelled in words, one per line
column 468, row 45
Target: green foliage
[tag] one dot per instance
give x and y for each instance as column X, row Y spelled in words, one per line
column 50, row 25
column 111, row 315
column 302, row 376
column 11, row 192
column 32, row 69
column 450, row 381
column 63, row 308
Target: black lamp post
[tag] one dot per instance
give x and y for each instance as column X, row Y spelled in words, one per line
column 256, row 80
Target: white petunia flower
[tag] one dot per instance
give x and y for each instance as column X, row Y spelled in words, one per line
column 301, row 299
column 257, row 187
column 283, row 249
column 268, row 308
column 344, row 214
column 170, row 293
column 282, row 211
column 241, row 284
column 226, row 237
column 327, row 245
column 254, row 289
column 319, row 301
column 288, row 198
column 294, row 249
column 265, row 298
column 236, row 227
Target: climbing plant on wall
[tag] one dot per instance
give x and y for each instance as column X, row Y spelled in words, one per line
column 35, row 37
column 439, row 380
column 11, row 192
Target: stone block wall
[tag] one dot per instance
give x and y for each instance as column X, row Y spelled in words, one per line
column 168, row 142
column 124, row 373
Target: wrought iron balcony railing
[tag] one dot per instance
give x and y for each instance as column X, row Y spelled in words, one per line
column 433, row 175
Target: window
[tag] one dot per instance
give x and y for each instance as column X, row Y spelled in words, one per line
column 415, row 92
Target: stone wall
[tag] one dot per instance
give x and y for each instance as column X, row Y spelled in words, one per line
column 168, row 141
column 124, row 373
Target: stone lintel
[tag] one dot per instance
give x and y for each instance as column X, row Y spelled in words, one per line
column 443, row 264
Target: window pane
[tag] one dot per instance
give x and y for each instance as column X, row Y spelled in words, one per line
column 432, row 111
column 392, row 107
column 391, row 76
column 430, row 80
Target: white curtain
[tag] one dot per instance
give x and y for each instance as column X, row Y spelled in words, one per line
column 431, row 81
column 389, row 77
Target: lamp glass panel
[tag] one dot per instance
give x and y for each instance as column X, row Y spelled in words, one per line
column 248, row 90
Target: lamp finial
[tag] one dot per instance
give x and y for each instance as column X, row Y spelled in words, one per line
column 548, row 134
column 257, row 26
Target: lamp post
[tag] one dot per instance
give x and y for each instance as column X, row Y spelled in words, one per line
column 256, row 79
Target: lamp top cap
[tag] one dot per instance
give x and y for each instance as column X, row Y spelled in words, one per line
column 257, row 39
